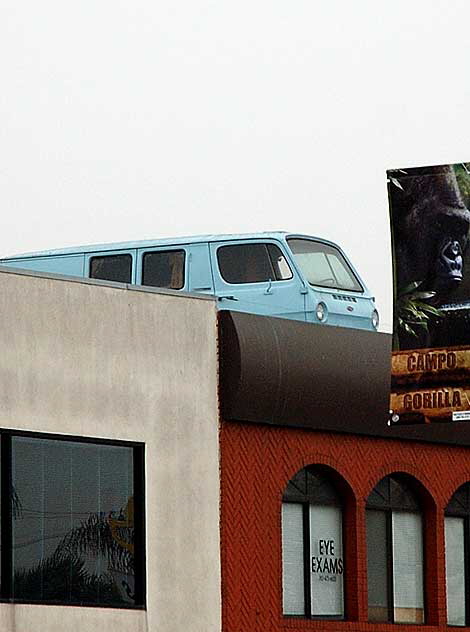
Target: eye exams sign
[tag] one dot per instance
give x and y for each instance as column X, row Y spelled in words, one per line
column 326, row 564
column 430, row 220
column 326, row 561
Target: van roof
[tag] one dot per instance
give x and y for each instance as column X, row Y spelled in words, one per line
column 168, row 241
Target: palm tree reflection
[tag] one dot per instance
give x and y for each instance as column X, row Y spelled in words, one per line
column 103, row 539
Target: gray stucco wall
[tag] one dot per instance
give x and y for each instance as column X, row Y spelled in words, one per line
column 100, row 360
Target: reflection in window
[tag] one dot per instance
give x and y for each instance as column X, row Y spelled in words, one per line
column 394, row 552
column 252, row 263
column 73, row 536
column 324, row 265
column 164, row 269
column 112, row 268
column 457, row 533
column 312, row 547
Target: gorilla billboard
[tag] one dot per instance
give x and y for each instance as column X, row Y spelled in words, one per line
column 430, row 220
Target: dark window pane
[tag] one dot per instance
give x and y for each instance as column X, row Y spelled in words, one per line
column 380, row 495
column 321, row 490
column 164, row 269
column 459, row 504
column 297, row 489
column 112, row 268
column 73, row 540
column 245, row 263
column 310, row 485
column 377, row 581
column 393, row 492
column 401, row 494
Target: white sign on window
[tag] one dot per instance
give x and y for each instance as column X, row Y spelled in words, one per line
column 326, row 561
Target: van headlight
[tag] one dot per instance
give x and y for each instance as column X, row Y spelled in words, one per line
column 375, row 319
column 321, row 312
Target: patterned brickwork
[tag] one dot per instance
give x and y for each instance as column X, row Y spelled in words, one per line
column 257, row 462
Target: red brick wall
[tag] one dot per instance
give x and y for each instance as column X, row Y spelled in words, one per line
column 257, row 461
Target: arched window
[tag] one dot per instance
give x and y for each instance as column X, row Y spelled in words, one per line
column 457, row 533
column 312, row 546
column 395, row 552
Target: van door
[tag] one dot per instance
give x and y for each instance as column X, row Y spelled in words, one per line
column 255, row 276
column 199, row 269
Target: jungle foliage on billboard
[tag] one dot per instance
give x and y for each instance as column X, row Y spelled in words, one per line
column 430, row 219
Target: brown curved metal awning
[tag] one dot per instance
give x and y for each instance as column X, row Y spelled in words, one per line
column 286, row 372
column 290, row 373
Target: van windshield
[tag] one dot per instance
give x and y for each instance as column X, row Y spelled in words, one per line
column 324, row 265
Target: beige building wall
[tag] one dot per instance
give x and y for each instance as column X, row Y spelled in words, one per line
column 117, row 362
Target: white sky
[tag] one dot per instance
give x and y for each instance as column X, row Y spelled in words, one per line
column 150, row 118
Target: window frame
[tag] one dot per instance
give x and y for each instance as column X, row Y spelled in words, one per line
column 103, row 255
column 359, row 286
column 145, row 252
column 266, row 244
column 6, row 517
column 306, row 502
column 464, row 512
column 389, row 509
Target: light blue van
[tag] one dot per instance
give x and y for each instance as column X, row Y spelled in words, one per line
column 273, row 273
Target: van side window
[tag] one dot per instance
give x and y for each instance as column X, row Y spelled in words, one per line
column 164, row 268
column 112, row 268
column 252, row 263
column 279, row 262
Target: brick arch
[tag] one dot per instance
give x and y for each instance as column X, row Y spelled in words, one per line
column 454, row 485
column 432, row 542
column 419, row 480
column 332, row 468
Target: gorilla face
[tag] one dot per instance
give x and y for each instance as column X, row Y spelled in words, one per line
column 449, row 264
column 430, row 228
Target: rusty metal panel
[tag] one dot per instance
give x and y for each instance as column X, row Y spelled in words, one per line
column 290, row 373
